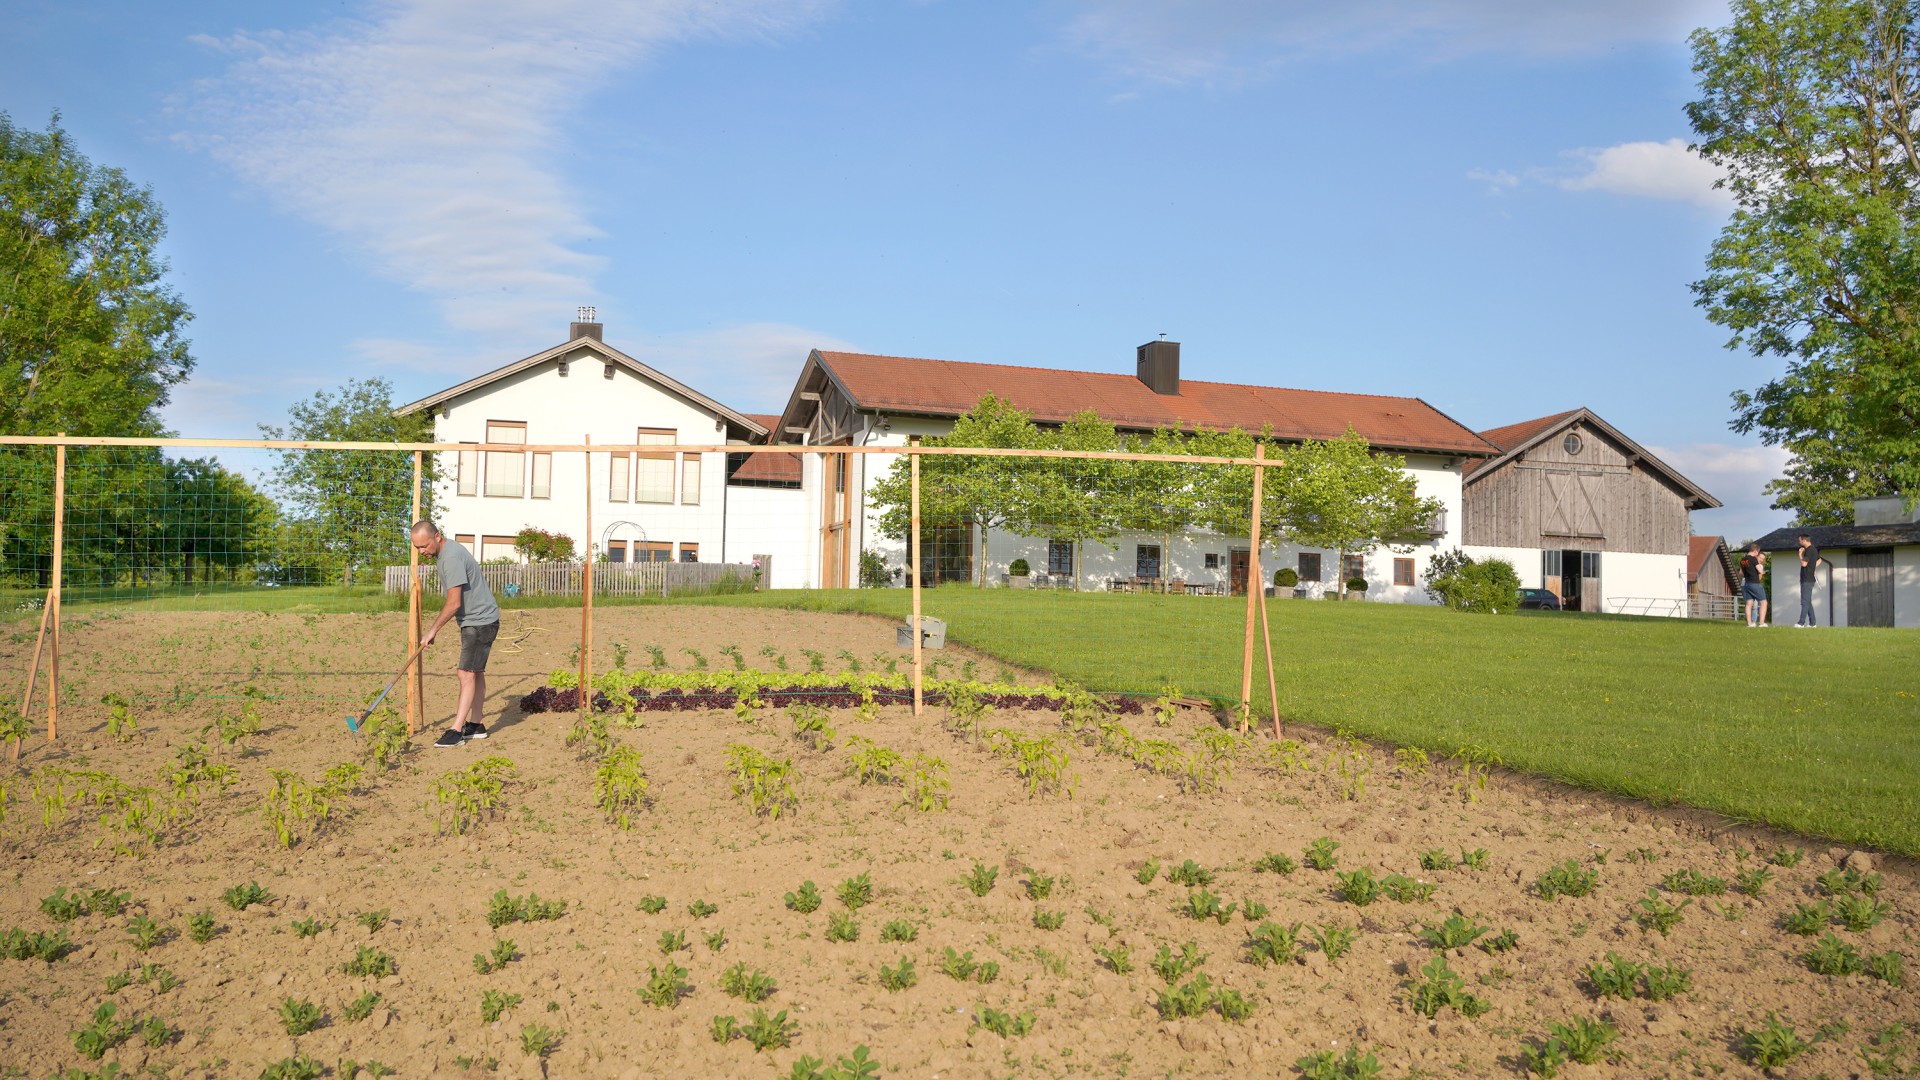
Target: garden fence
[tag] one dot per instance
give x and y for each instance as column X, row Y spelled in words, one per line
column 118, row 526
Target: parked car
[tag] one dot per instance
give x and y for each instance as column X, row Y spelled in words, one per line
column 1539, row 600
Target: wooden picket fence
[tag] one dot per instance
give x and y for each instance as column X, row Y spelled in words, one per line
column 609, row 579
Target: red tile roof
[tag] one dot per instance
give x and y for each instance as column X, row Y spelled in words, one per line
column 1050, row 395
column 1512, row 435
column 1700, row 550
column 780, row 468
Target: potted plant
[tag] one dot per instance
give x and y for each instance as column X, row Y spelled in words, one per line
column 1017, row 573
column 1357, row 587
column 1285, row 578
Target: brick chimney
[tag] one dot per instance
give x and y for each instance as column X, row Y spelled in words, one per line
column 1159, row 366
column 585, row 324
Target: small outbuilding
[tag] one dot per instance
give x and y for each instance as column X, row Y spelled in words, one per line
column 1712, row 578
column 1874, row 576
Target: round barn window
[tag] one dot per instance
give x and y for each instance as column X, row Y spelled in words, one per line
column 1571, row 444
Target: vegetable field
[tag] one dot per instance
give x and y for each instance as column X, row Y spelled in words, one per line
column 750, row 859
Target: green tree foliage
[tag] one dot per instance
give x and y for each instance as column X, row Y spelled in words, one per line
column 347, row 512
column 90, row 335
column 1813, row 109
column 1340, row 495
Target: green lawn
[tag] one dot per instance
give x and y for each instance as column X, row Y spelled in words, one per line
column 1815, row 731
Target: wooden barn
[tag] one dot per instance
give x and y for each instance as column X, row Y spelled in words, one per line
column 1713, row 579
column 1580, row 509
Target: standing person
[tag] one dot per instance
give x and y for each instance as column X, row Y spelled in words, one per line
column 1753, row 589
column 1809, row 574
column 471, row 602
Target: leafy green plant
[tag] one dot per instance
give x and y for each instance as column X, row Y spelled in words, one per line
column 806, row 900
column 155, row 1032
column 665, row 986
column 1191, row 998
column 1670, row 981
column 1841, row 881
column 724, row 1029
column 980, row 881
column 1190, row 873
column 504, row 953
column 1170, row 966
column 1691, row 882
column 1319, row 854
column 1005, row 1025
column 1566, row 879
column 386, row 740
column 1402, row 889
column 1616, row 977
column 717, row 940
column 1773, row 1044
column 299, row 1015
column 899, row 930
column 370, row 963
column 1358, row 887
column 1584, row 1039
column 1049, row 920
column 672, row 941
column 1253, row 910
column 201, row 927
column 860, row 1065
column 1147, row 872
column 103, row 1033
column 1752, row 880
column 1889, row 968
column 1456, row 931
column 538, row 1040
column 1233, row 1005
column 374, row 920
column 17, row 944
column 464, row 797
column 1436, row 859
column 1477, row 859
column 870, row 762
column 147, row 932
column 503, row 909
column 1501, row 942
column 118, row 981
column 841, row 927
column 297, row 1067
column 1334, row 941
column 927, row 784
column 766, row 784
column 1859, row 911
column 900, row 977
column 361, row 1007
column 242, row 897
column 855, row 892
column 1039, row 886
column 1806, row 920
column 495, row 1003
column 1202, row 904
column 768, row 1032
column 1118, row 958
column 959, row 966
column 1273, row 863
column 654, row 905
column 1271, row 943
column 700, row 909
column 1831, row 956
column 620, row 785
column 63, row 906
column 1785, row 858
column 1657, row 914
column 1439, row 987
column 306, row 928
column 810, row 726
column 1327, row 1065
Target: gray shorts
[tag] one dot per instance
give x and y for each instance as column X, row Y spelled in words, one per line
column 476, row 644
column 1753, row 590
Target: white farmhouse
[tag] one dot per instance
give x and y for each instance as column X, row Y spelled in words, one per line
column 851, row 399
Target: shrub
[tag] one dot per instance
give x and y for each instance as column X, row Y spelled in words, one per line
column 1465, row 584
column 1019, row 568
column 1286, row 578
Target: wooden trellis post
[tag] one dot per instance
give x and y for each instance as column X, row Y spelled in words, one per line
column 1254, row 584
column 586, row 588
column 913, row 564
column 55, row 594
column 416, row 689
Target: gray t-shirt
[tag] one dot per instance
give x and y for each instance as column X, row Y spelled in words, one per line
column 457, row 567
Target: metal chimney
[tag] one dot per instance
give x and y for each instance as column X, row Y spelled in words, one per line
column 1159, row 366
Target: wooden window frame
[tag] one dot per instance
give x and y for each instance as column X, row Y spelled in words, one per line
column 494, row 541
column 495, row 459
column 1055, row 564
column 1159, row 561
column 540, row 484
column 1352, row 566
column 652, row 548
column 687, row 549
column 616, row 546
column 619, row 478
column 641, row 467
column 466, row 471
column 470, row 542
column 1309, row 558
column 1403, row 568
column 690, row 479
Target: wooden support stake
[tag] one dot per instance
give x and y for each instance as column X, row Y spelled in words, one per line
column 586, row 590
column 1273, row 689
column 913, row 568
column 416, row 690
column 59, row 557
column 1254, row 589
column 33, row 669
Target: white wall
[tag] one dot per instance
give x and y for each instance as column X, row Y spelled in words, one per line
column 1630, row 582
column 1786, row 588
column 558, row 409
column 1906, row 586
column 776, row 522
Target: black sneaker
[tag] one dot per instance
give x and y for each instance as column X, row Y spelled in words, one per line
column 449, row 738
column 474, row 731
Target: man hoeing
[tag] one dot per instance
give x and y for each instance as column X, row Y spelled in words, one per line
column 471, row 602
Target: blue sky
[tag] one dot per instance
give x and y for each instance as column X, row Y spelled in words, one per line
column 1485, row 203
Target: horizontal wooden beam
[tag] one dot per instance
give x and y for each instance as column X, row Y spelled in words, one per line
column 809, row 395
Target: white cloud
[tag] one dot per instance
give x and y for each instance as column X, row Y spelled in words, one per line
column 1498, row 181
column 1214, row 40
column 1737, row 476
column 1650, row 170
column 425, row 134
column 750, row 367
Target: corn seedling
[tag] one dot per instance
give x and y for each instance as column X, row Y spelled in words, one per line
column 855, row 892
column 464, row 797
column 1806, row 920
column 654, row 905
column 495, row 1004
column 1005, row 1025
column 1273, row 863
column 370, row 963
column 1566, row 879
column 841, row 927
column 980, row 881
column 1271, row 943
column 1831, row 956
column 1334, row 941
column 750, row 985
column 1456, row 931
column 700, row 909
column 538, row 1040
column 899, row 930
column 298, row 1015
column 1118, row 958
column 504, row 953
column 927, row 784
column 1358, row 887
column 1439, row 987
column 1319, row 854
column 1327, row 1065
column 1147, row 871
column 766, row 784
column 1773, row 1044
column 1657, row 914
column 768, row 1032
column 806, row 900
column 900, row 977
column 1170, row 966
column 665, row 986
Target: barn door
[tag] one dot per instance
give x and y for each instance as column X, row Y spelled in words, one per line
column 1570, row 502
column 1870, row 588
column 1590, row 599
column 1550, row 573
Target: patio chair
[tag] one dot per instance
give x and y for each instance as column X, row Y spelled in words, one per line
column 1177, row 585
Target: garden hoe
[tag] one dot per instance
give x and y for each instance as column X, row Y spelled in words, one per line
column 354, row 722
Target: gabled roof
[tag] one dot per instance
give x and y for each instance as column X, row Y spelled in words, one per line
column 571, row 350
column 905, row 385
column 1514, row 440
column 775, row 468
column 1704, row 551
column 1842, row 536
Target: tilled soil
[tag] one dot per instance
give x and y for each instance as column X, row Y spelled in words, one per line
column 579, row 974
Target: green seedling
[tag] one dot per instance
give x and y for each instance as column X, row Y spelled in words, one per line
column 1170, row 966
column 1584, row 1039
column 1436, row 859
column 724, row 1029
column 155, row 1032
column 1402, row 889
column 374, row 920
column 1477, row 859
column 146, row 932
column 700, row 909
column 1234, row 1006
column 1889, row 968
column 1456, row 931
column 1202, row 904
column 1859, row 912
column 900, row 977
column 1319, row 855
column 899, row 930
column 1806, row 920
column 672, row 941
column 750, row 985
column 806, row 900
column 654, row 905
column 1118, row 958
column 980, row 881
column 768, row 1032
column 297, row 1067
column 104, row 1032
column 1657, row 914
column 201, row 927
column 299, row 1015
column 841, row 927
column 1271, row 943
column 958, row 965
column 370, row 963
column 1831, row 956
column 620, row 786
column 1190, row 873
column 306, row 928
column 767, row 785
column 1358, row 887
column 1772, row 1045
column 1665, row 983
column 1192, row 998
column 1439, row 987
column 1147, row 872
column 361, row 1007
column 1693, row 883
column 1327, row 1065
column 1566, row 879
column 1005, row 1025
column 1253, row 910
column 242, row 897
column 1335, row 941
column 1039, row 886
column 1786, row 858
column 927, row 786
column 464, row 797
column 118, row 981
column 665, row 986
column 855, row 892
column 1840, row 882
column 494, row 1004
column 716, row 941
column 1273, row 863
column 504, row 953
column 1752, row 881
column 538, row 1040
column 1049, row 920
column 62, row 906
column 503, row 909
column 1616, row 978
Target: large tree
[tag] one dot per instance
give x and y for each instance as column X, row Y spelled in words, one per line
column 1813, row 109
column 348, row 510
column 1340, row 494
column 90, row 334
